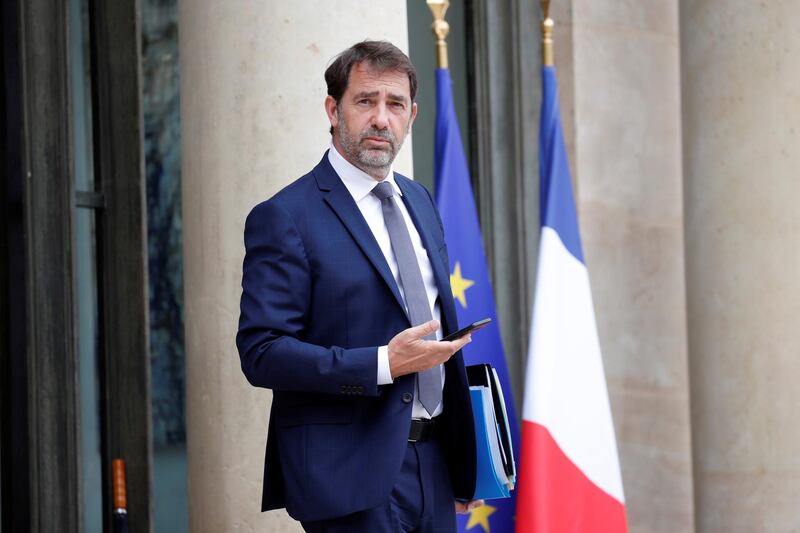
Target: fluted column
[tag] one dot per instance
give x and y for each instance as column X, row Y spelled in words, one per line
column 627, row 167
column 741, row 94
column 252, row 119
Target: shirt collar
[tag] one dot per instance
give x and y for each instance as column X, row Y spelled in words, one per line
column 358, row 182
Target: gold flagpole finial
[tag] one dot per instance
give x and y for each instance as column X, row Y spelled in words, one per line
column 440, row 29
column 547, row 35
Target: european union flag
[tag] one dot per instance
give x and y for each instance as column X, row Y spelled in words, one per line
column 469, row 279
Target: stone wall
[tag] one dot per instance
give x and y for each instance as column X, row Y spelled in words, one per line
column 629, row 187
column 741, row 94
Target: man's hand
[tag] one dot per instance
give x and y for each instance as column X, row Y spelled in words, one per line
column 465, row 507
column 409, row 352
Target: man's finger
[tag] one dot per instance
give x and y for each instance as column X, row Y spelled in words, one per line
column 474, row 503
column 465, row 507
column 425, row 329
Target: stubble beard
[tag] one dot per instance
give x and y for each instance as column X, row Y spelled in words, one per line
column 374, row 162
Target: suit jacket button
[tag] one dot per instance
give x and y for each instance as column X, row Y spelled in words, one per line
column 407, row 397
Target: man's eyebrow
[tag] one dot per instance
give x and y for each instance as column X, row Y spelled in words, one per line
column 365, row 94
column 372, row 94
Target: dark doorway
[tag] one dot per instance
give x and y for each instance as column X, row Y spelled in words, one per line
column 73, row 297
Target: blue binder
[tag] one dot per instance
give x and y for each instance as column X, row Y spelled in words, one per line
column 496, row 469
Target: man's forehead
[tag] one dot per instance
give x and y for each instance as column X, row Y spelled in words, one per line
column 366, row 74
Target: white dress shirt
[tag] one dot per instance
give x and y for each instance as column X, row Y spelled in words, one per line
column 360, row 185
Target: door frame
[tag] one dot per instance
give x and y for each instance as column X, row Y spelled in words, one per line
column 39, row 433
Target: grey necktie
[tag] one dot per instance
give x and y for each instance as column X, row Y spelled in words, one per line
column 429, row 382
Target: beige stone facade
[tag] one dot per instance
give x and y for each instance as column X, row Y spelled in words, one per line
column 741, row 94
column 629, row 190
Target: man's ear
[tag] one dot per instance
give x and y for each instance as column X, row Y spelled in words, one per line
column 413, row 114
column 330, row 109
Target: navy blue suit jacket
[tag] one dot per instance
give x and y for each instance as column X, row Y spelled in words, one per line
column 318, row 299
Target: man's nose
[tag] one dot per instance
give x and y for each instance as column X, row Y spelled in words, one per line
column 380, row 116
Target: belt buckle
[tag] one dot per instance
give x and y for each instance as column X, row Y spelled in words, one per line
column 419, row 434
column 424, row 425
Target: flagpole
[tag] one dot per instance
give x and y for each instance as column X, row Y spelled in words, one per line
column 547, row 35
column 440, row 29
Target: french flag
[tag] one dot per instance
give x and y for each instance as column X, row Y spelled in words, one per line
column 569, row 479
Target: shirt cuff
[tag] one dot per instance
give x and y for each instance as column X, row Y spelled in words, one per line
column 384, row 372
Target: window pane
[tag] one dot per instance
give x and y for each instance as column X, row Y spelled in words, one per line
column 91, row 465
column 81, row 87
column 88, row 382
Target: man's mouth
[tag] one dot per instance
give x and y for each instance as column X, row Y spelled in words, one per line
column 377, row 141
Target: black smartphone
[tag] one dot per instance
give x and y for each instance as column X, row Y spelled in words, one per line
column 475, row 326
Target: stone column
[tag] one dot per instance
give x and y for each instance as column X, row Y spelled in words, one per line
column 252, row 91
column 627, row 167
column 741, row 93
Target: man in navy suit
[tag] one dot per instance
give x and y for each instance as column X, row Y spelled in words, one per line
column 328, row 322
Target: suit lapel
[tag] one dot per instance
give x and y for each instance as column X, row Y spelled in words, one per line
column 339, row 199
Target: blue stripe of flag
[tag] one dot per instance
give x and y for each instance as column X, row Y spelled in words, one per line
column 557, row 201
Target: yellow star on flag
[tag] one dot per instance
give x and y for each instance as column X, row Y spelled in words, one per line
column 459, row 285
column 480, row 515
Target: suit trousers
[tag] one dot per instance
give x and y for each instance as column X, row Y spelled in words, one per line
column 421, row 500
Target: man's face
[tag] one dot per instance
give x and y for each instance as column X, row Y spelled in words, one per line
column 372, row 118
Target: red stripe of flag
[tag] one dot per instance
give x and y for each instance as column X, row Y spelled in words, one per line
column 554, row 495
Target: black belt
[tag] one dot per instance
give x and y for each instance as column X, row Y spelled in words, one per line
column 422, row 429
